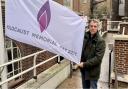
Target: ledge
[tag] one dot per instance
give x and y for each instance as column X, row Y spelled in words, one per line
column 124, row 23
column 12, row 85
column 57, row 73
column 113, row 30
column 122, row 77
column 120, row 37
column 103, row 33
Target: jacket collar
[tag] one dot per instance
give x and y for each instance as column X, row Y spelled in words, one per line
column 95, row 37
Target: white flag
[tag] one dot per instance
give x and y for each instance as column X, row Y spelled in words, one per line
column 47, row 25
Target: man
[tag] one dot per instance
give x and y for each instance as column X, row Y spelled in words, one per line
column 92, row 54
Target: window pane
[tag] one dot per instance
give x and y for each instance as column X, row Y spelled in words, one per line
column 10, row 75
column 9, row 67
column 19, row 64
column 16, row 72
column 9, row 55
column 19, row 70
column 8, row 43
column 14, row 45
column 15, row 54
column 15, row 65
column 67, row 3
column 18, row 53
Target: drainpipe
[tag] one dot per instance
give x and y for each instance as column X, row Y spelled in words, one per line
column 109, row 79
column 110, row 47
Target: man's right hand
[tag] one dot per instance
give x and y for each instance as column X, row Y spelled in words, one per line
column 80, row 65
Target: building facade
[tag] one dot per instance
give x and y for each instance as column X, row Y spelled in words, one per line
column 81, row 7
column 17, row 50
column 120, row 13
column 119, row 9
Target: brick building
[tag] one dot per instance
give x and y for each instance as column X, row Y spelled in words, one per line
column 20, row 49
column 121, row 58
column 79, row 6
column 83, row 6
column 17, row 50
column 119, row 11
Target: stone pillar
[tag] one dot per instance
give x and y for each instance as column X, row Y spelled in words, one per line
column 124, row 28
column 104, row 25
column 121, row 57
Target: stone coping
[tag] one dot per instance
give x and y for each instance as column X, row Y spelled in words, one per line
column 121, row 77
column 45, row 76
column 120, row 37
column 123, row 23
column 103, row 33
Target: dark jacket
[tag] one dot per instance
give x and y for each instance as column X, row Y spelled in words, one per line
column 92, row 54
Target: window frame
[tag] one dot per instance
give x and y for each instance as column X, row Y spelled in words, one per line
column 9, row 44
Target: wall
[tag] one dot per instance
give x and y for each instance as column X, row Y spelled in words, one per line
column 59, row 1
column 85, row 8
column 121, row 53
column 121, row 56
column 28, row 63
column 126, row 8
column 50, row 78
column 78, row 6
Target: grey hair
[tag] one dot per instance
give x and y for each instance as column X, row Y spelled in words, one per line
column 95, row 21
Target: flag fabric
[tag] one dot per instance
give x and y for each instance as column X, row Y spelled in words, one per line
column 47, row 25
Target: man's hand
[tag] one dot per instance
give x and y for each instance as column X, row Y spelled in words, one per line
column 76, row 66
column 80, row 65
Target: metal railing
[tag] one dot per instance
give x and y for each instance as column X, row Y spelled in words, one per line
column 29, row 69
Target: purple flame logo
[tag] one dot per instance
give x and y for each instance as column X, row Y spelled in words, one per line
column 44, row 16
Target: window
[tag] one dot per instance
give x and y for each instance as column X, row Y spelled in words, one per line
column 121, row 7
column 68, row 3
column 121, row 1
column 13, row 53
column 84, row 1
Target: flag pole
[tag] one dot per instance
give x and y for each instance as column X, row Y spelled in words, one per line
column 3, row 71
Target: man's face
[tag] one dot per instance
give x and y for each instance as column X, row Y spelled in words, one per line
column 93, row 27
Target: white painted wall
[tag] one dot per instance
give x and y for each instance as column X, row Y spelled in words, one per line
column 2, row 51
